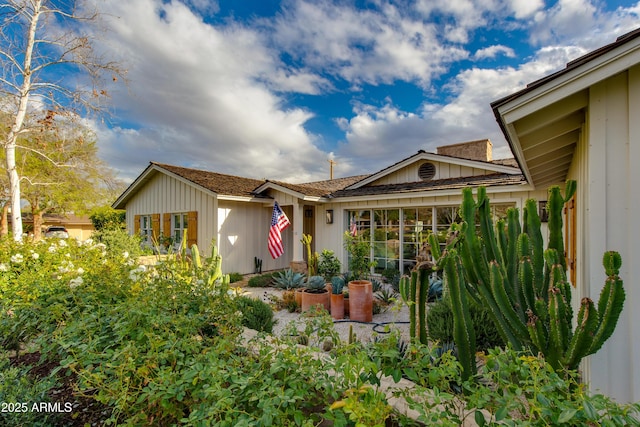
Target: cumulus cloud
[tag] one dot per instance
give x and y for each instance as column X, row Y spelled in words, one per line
column 493, row 51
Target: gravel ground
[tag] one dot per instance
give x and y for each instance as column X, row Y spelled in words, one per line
column 395, row 317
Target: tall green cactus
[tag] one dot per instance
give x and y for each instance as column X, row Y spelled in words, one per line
column 414, row 291
column 525, row 286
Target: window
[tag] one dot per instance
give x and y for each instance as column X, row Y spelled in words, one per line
column 386, row 239
column 146, row 229
column 179, row 223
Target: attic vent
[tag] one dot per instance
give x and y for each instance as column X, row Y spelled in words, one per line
column 427, row 171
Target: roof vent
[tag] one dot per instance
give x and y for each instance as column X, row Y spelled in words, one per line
column 427, row 171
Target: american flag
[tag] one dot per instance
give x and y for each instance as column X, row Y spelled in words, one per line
column 279, row 222
column 353, row 227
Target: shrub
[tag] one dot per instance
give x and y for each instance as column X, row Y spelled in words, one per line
column 440, row 325
column 329, row 265
column 235, row 277
column 256, row 314
column 119, row 242
column 261, row 281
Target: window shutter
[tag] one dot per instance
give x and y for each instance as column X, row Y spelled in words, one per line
column 166, row 225
column 155, row 227
column 192, row 228
column 136, row 225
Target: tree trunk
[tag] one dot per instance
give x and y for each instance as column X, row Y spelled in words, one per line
column 4, row 221
column 37, row 225
column 14, row 191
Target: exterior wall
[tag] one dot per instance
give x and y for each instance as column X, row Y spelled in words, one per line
column 477, row 150
column 242, row 235
column 330, row 236
column 444, row 170
column 165, row 194
column 610, row 223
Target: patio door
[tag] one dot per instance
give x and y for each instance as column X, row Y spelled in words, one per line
column 309, row 226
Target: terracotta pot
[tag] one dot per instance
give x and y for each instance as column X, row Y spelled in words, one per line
column 337, row 306
column 361, row 300
column 298, row 296
column 310, row 299
column 346, row 305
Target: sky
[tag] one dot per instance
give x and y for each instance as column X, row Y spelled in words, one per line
column 275, row 88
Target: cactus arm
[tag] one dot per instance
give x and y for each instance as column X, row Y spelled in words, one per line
column 423, row 278
column 512, row 319
column 558, row 330
column 474, row 260
column 486, row 227
column 536, row 245
column 555, row 206
column 537, row 333
column 195, row 256
column 525, row 278
column 610, row 306
column 435, row 247
column 462, row 327
column 583, row 336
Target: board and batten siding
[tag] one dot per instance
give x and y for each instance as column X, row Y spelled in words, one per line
column 330, row 236
column 165, row 194
column 444, row 170
column 609, row 173
column 242, row 235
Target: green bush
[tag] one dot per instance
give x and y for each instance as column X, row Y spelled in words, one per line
column 119, row 242
column 235, row 277
column 261, row 281
column 440, row 325
column 256, row 314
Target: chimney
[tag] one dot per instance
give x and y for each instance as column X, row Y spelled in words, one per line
column 472, row 150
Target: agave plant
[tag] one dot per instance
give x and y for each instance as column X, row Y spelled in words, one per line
column 316, row 284
column 288, row 280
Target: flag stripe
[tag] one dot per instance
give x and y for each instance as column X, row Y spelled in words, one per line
column 279, row 222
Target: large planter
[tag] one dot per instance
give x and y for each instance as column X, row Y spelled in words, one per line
column 361, row 301
column 298, row 296
column 346, row 305
column 337, row 306
column 309, row 299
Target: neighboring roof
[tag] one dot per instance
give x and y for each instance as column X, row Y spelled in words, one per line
column 423, row 155
column 64, row 219
column 543, row 122
column 436, row 184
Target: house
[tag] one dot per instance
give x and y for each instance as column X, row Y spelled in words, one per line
column 79, row 227
column 583, row 123
column 395, row 207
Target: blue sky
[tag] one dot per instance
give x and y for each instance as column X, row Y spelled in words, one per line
column 273, row 89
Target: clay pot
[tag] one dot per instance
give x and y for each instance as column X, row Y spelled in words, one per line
column 361, row 300
column 310, row 299
column 346, row 305
column 298, row 296
column 337, row 306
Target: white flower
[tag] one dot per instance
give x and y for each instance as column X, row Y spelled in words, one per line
column 75, row 282
column 125, row 254
column 52, row 248
column 35, row 255
column 62, row 243
column 17, row 258
column 4, row 267
column 80, row 270
column 136, row 273
column 88, row 242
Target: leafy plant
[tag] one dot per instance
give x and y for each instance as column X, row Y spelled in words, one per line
column 337, row 285
column 235, row 277
column 329, row 265
column 261, row 280
column 316, row 284
column 359, row 250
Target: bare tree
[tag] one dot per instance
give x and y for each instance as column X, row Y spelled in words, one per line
column 43, row 42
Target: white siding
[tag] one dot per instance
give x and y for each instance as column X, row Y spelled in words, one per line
column 164, row 194
column 611, row 223
column 443, row 171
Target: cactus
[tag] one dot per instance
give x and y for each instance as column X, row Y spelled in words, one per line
column 414, row 291
column 257, row 265
column 525, row 286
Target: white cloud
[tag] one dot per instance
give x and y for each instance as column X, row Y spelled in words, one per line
column 493, row 51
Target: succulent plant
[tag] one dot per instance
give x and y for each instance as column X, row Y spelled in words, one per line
column 287, row 279
column 316, row 284
column 337, row 284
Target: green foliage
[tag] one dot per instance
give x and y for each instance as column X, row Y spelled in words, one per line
column 440, row 325
column 359, row 256
column 287, row 279
column 525, row 286
column 118, row 241
column 329, row 265
column 256, row 314
column 414, row 292
column 107, row 218
column 235, row 277
column 261, row 281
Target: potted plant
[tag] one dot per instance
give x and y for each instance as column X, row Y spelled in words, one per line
column 360, row 288
column 337, row 297
column 290, row 282
column 329, row 265
column 315, row 293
